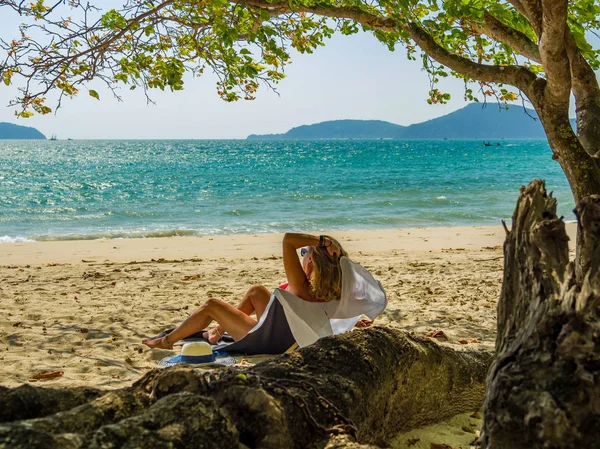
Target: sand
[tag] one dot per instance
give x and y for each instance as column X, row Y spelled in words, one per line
column 459, row 432
column 83, row 307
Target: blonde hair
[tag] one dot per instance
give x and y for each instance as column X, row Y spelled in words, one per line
column 326, row 279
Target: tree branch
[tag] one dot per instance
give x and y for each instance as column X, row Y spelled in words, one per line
column 587, row 97
column 518, row 7
column 518, row 76
column 554, row 55
column 515, row 75
column 518, row 41
column 113, row 38
column 339, row 12
column 532, row 11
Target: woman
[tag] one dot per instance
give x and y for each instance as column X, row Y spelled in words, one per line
column 318, row 278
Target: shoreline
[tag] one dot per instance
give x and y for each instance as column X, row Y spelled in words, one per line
column 161, row 234
column 230, row 245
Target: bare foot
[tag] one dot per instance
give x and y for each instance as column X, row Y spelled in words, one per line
column 157, row 343
column 212, row 335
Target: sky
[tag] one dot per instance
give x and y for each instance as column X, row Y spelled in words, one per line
column 352, row 77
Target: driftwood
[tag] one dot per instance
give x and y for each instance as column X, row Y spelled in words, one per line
column 544, row 385
column 364, row 386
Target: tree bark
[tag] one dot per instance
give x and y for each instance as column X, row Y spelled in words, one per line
column 581, row 168
column 359, row 388
column 588, row 227
column 578, row 154
column 543, row 388
column 587, row 98
column 27, row 402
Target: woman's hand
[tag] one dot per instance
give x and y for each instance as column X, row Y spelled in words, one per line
column 332, row 249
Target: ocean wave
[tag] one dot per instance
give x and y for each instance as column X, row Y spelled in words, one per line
column 9, row 239
column 116, row 235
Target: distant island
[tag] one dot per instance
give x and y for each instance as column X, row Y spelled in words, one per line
column 11, row 131
column 471, row 122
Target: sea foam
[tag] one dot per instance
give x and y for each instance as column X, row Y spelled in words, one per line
column 9, row 239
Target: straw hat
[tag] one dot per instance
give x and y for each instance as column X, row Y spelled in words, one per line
column 198, row 353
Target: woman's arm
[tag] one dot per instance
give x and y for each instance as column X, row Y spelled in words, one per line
column 299, row 284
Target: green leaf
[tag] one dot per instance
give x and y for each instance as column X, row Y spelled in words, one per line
column 94, row 94
column 113, row 20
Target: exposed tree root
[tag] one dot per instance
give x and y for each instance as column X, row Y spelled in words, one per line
column 362, row 387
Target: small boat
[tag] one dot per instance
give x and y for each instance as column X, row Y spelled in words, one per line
column 487, row 144
column 53, row 137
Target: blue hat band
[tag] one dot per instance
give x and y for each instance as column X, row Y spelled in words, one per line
column 197, row 359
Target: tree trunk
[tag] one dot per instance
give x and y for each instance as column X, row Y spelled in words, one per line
column 581, row 168
column 544, row 385
column 363, row 386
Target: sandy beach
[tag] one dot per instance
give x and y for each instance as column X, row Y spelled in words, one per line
column 83, row 307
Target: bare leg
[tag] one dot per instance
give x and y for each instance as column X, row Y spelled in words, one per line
column 234, row 321
column 255, row 300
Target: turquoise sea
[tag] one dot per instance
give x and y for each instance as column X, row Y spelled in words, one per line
column 53, row 190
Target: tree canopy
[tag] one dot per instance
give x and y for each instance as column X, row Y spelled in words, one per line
column 151, row 44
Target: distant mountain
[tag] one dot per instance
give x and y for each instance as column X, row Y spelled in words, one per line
column 338, row 129
column 10, row 131
column 471, row 122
